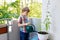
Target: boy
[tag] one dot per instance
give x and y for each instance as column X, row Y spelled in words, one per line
column 22, row 22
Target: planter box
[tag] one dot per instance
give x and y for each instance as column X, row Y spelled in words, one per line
column 3, row 28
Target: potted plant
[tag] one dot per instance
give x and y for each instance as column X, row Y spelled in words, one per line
column 43, row 35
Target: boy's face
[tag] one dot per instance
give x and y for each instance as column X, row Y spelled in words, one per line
column 25, row 13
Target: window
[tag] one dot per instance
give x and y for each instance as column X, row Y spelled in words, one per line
column 35, row 7
column 12, row 8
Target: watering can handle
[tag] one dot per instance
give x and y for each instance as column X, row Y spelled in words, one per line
column 33, row 27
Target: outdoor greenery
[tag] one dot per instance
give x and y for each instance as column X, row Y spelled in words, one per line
column 12, row 10
column 35, row 10
column 9, row 10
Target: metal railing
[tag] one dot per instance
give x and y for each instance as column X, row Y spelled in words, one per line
column 5, row 20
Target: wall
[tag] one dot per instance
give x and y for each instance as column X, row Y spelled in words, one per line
column 52, row 8
column 14, row 31
column 56, row 14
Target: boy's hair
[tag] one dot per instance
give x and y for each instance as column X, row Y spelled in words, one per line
column 25, row 9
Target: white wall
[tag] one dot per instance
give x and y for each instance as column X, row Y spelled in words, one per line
column 44, row 4
column 55, row 13
column 56, row 18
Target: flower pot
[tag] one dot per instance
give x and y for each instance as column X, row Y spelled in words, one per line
column 43, row 35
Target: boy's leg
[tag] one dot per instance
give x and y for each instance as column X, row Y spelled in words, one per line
column 22, row 35
column 26, row 36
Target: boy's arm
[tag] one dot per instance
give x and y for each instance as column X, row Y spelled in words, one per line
column 20, row 22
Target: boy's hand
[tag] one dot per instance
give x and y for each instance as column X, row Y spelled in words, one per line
column 27, row 24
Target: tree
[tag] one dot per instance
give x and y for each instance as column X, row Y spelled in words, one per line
column 35, row 10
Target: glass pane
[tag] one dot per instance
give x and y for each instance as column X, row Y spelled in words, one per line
column 1, row 2
column 13, row 8
column 35, row 7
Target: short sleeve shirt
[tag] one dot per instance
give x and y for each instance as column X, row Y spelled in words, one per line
column 20, row 21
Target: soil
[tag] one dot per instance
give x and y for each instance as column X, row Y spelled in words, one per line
column 42, row 32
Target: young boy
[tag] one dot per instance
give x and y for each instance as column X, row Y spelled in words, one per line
column 22, row 22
